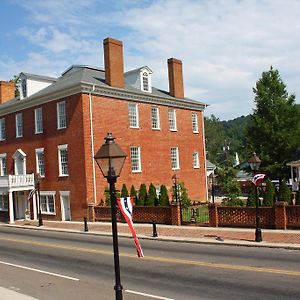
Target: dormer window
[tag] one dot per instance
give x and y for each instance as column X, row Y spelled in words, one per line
column 145, row 78
column 24, row 88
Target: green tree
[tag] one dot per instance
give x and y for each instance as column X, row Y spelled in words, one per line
column 124, row 191
column 15, row 81
column 251, row 201
column 142, row 195
column 107, row 196
column 183, row 195
column 285, row 194
column 164, row 197
column 133, row 193
column 269, row 196
column 298, row 195
column 227, row 183
column 275, row 128
column 151, row 198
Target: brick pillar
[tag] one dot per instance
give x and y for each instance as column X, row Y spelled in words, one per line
column 175, row 214
column 213, row 215
column 280, row 215
column 91, row 212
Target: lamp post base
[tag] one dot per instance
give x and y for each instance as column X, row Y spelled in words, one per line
column 40, row 220
column 258, row 235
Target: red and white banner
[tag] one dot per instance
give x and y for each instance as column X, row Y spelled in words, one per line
column 125, row 205
column 32, row 192
column 257, row 178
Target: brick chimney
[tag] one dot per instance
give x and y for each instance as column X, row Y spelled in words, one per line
column 7, row 91
column 175, row 78
column 113, row 61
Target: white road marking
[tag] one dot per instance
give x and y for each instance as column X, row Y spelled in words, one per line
column 148, row 295
column 39, row 271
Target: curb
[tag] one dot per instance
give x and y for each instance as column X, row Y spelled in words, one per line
column 177, row 239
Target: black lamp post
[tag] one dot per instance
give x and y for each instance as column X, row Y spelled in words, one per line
column 37, row 187
column 254, row 163
column 174, row 179
column 110, row 159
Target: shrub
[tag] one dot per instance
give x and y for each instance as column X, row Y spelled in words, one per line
column 233, row 202
column 183, row 196
column 251, row 201
column 124, row 191
column 298, row 195
column 133, row 193
column 269, row 195
column 164, row 197
column 142, row 195
column 151, row 198
column 285, row 193
column 107, row 196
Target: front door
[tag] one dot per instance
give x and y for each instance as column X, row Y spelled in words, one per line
column 65, row 208
column 20, row 205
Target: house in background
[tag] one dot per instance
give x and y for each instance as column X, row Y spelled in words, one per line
column 57, row 125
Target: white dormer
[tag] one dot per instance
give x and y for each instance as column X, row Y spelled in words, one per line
column 30, row 84
column 140, row 78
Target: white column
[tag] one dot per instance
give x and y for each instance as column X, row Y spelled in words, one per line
column 35, row 206
column 11, row 208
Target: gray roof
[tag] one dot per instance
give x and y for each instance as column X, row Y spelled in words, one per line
column 39, row 77
column 88, row 79
column 210, row 165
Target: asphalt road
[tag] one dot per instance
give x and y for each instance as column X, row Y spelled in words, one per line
column 53, row 265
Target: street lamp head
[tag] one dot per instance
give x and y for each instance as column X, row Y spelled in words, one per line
column 174, row 179
column 37, row 178
column 110, row 158
column 254, row 162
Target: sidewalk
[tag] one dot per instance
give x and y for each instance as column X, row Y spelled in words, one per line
column 289, row 239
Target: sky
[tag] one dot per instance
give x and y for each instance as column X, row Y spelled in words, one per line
column 224, row 45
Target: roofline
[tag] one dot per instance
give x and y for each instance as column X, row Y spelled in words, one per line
column 81, row 66
column 41, row 77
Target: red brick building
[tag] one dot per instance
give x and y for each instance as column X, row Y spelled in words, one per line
column 56, row 125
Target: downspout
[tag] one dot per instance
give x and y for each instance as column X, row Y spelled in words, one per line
column 92, row 145
column 204, row 155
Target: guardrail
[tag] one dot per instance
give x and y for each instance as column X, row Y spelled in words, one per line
column 15, row 181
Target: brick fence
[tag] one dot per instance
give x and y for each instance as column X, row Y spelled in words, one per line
column 141, row 214
column 281, row 216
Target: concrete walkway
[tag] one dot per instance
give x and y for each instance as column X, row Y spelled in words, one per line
column 289, row 239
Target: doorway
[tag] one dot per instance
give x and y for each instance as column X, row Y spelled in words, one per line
column 65, row 206
column 19, row 205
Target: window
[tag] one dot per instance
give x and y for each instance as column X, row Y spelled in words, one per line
column 19, row 125
column 145, row 78
column 195, row 123
column 61, row 115
column 2, row 130
column 40, row 166
column 24, row 88
column 135, row 154
column 174, row 158
column 133, row 115
column 38, row 116
column 172, row 120
column 47, row 203
column 3, row 202
column 196, row 160
column 3, row 165
column 63, row 160
column 155, row 118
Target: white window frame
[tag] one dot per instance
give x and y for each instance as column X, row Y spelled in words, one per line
column 61, row 115
column 38, row 120
column 3, row 202
column 172, row 119
column 195, row 123
column 3, row 170
column 155, row 120
column 175, row 158
column 40, row 168
column 136, row 164
column 133, row 114
column 60, row 163
column 19, row 125
column 196, row 163
column 2, row 130
column 48, row 194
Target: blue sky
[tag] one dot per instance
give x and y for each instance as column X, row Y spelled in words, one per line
column 225, row 45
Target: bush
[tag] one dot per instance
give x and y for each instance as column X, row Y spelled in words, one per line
column 285, row 193
column 164, row 197
column 124, row 191
column 269, row 195
column 133, row 193
column 298, row 195
column 183, row 196
column 233, row 202
column 107, row 196
column 142, row 195
column 151, row 198
column 251, row 201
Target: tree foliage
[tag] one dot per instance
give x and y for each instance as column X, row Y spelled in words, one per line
column 151, row 198
column 142, row 195
column 183, row 195
column 251, row 201
column 124, row 191
column 227, row 183
column 275, row 128
column 285, row 194
column 298, row 195
column 164, row 197
column 269, row 196
column 133, row 193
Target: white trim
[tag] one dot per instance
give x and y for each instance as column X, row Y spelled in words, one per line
column 139, row 170
column 19, row 125
column 2, row 129
column 58, row 115
column 16, row 155
column 195, row 123
column 37, row 151
column 157, row 115
column 59, row 149
column 172, row 120
column 48, row 193
column 36, row 111
column 136, row 114
column 197, row 165
column 2, row 156
column 64, row 193
column 176, row 158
